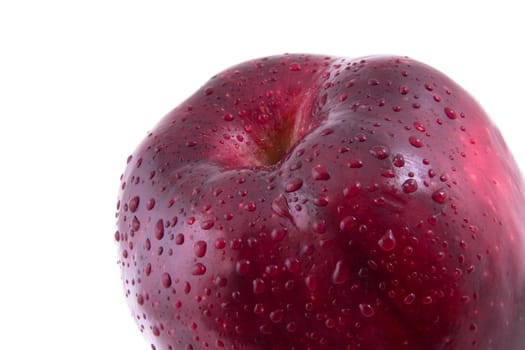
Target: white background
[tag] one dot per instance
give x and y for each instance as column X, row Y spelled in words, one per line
column 82, row 82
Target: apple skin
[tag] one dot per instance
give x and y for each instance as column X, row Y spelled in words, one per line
column 307, row 202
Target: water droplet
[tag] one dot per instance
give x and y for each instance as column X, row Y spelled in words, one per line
column 311, row 283
column 199, row 248
column 440, row 196
column 278, row 234
column 159, row 229
column 415, row 141
column 321, row 201
column 133, row 204
column 437, row 98
column 258, row 308
column 343, row 97
column 388, row 242
column 293, row 185
column 380, row 152
column 135, row 224
column 280, row 206
column 295, row 67
column 150, row 204
column 277, row 315
column 208, row 91
column 166, row 280
column 327, row 131
column 366, row 310
column 319, row 172
column 348, row 223
column 396, row 108
column 356, row 164
column 398, row 160
column 250, row 206
column 373, row 82
column 258, row 285
column 341, row 273
column 352, row 191
column 409, row 186
column 292, row 265
column 228, row 117
column 207, row 224
column 451, row 114
column 179, row 239
column 243, row 267
column 419, row 127
column 147, row 269
column 409, row 299
column 403, row 90
column 187, row 287
column 319, row 226
column 429, row 87
column 198, row 269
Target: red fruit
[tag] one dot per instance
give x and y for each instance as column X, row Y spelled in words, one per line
column 305, row 202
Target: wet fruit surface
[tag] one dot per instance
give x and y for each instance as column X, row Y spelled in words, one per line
column 307, row 202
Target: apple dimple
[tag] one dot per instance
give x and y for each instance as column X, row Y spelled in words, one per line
column 308, row 202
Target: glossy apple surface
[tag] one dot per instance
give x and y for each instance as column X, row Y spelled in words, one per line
column 307, row 202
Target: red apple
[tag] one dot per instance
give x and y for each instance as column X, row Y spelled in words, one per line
column 306, row 202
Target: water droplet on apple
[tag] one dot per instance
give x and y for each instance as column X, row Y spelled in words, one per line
column 295, row 67
column 292, row 265
column 147, row 269
column 179, row 239
column 409, row 299
column 199, row 248
column 243, row 267
column 415, row 141
column 187, row 287
column 403, row 90
column 348, row 223
column 166, row 280
column 276, row 316
column 319, row 172
column 133, row 204
column 409, row 186
column 352, row 191
column 150, row 204
column 419, row 127
column 198, row 269
column 228, row 117
column 135, row 224
column 437, row 98
column 207, row 224
column 399, row 160
column 259, row 286
column 293, row 185
column 451, row 114
column 440, row 196
column 280, row 206
column 159, row 229
column 278, row 234
column 311, row 283
column 341, row 273
column 258, row 308
column 319, row 226
column 366, row 310
column 380, row 152
column 387, row 242
column 250, row 206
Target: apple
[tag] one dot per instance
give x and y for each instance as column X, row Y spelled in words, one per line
column 307, row 202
